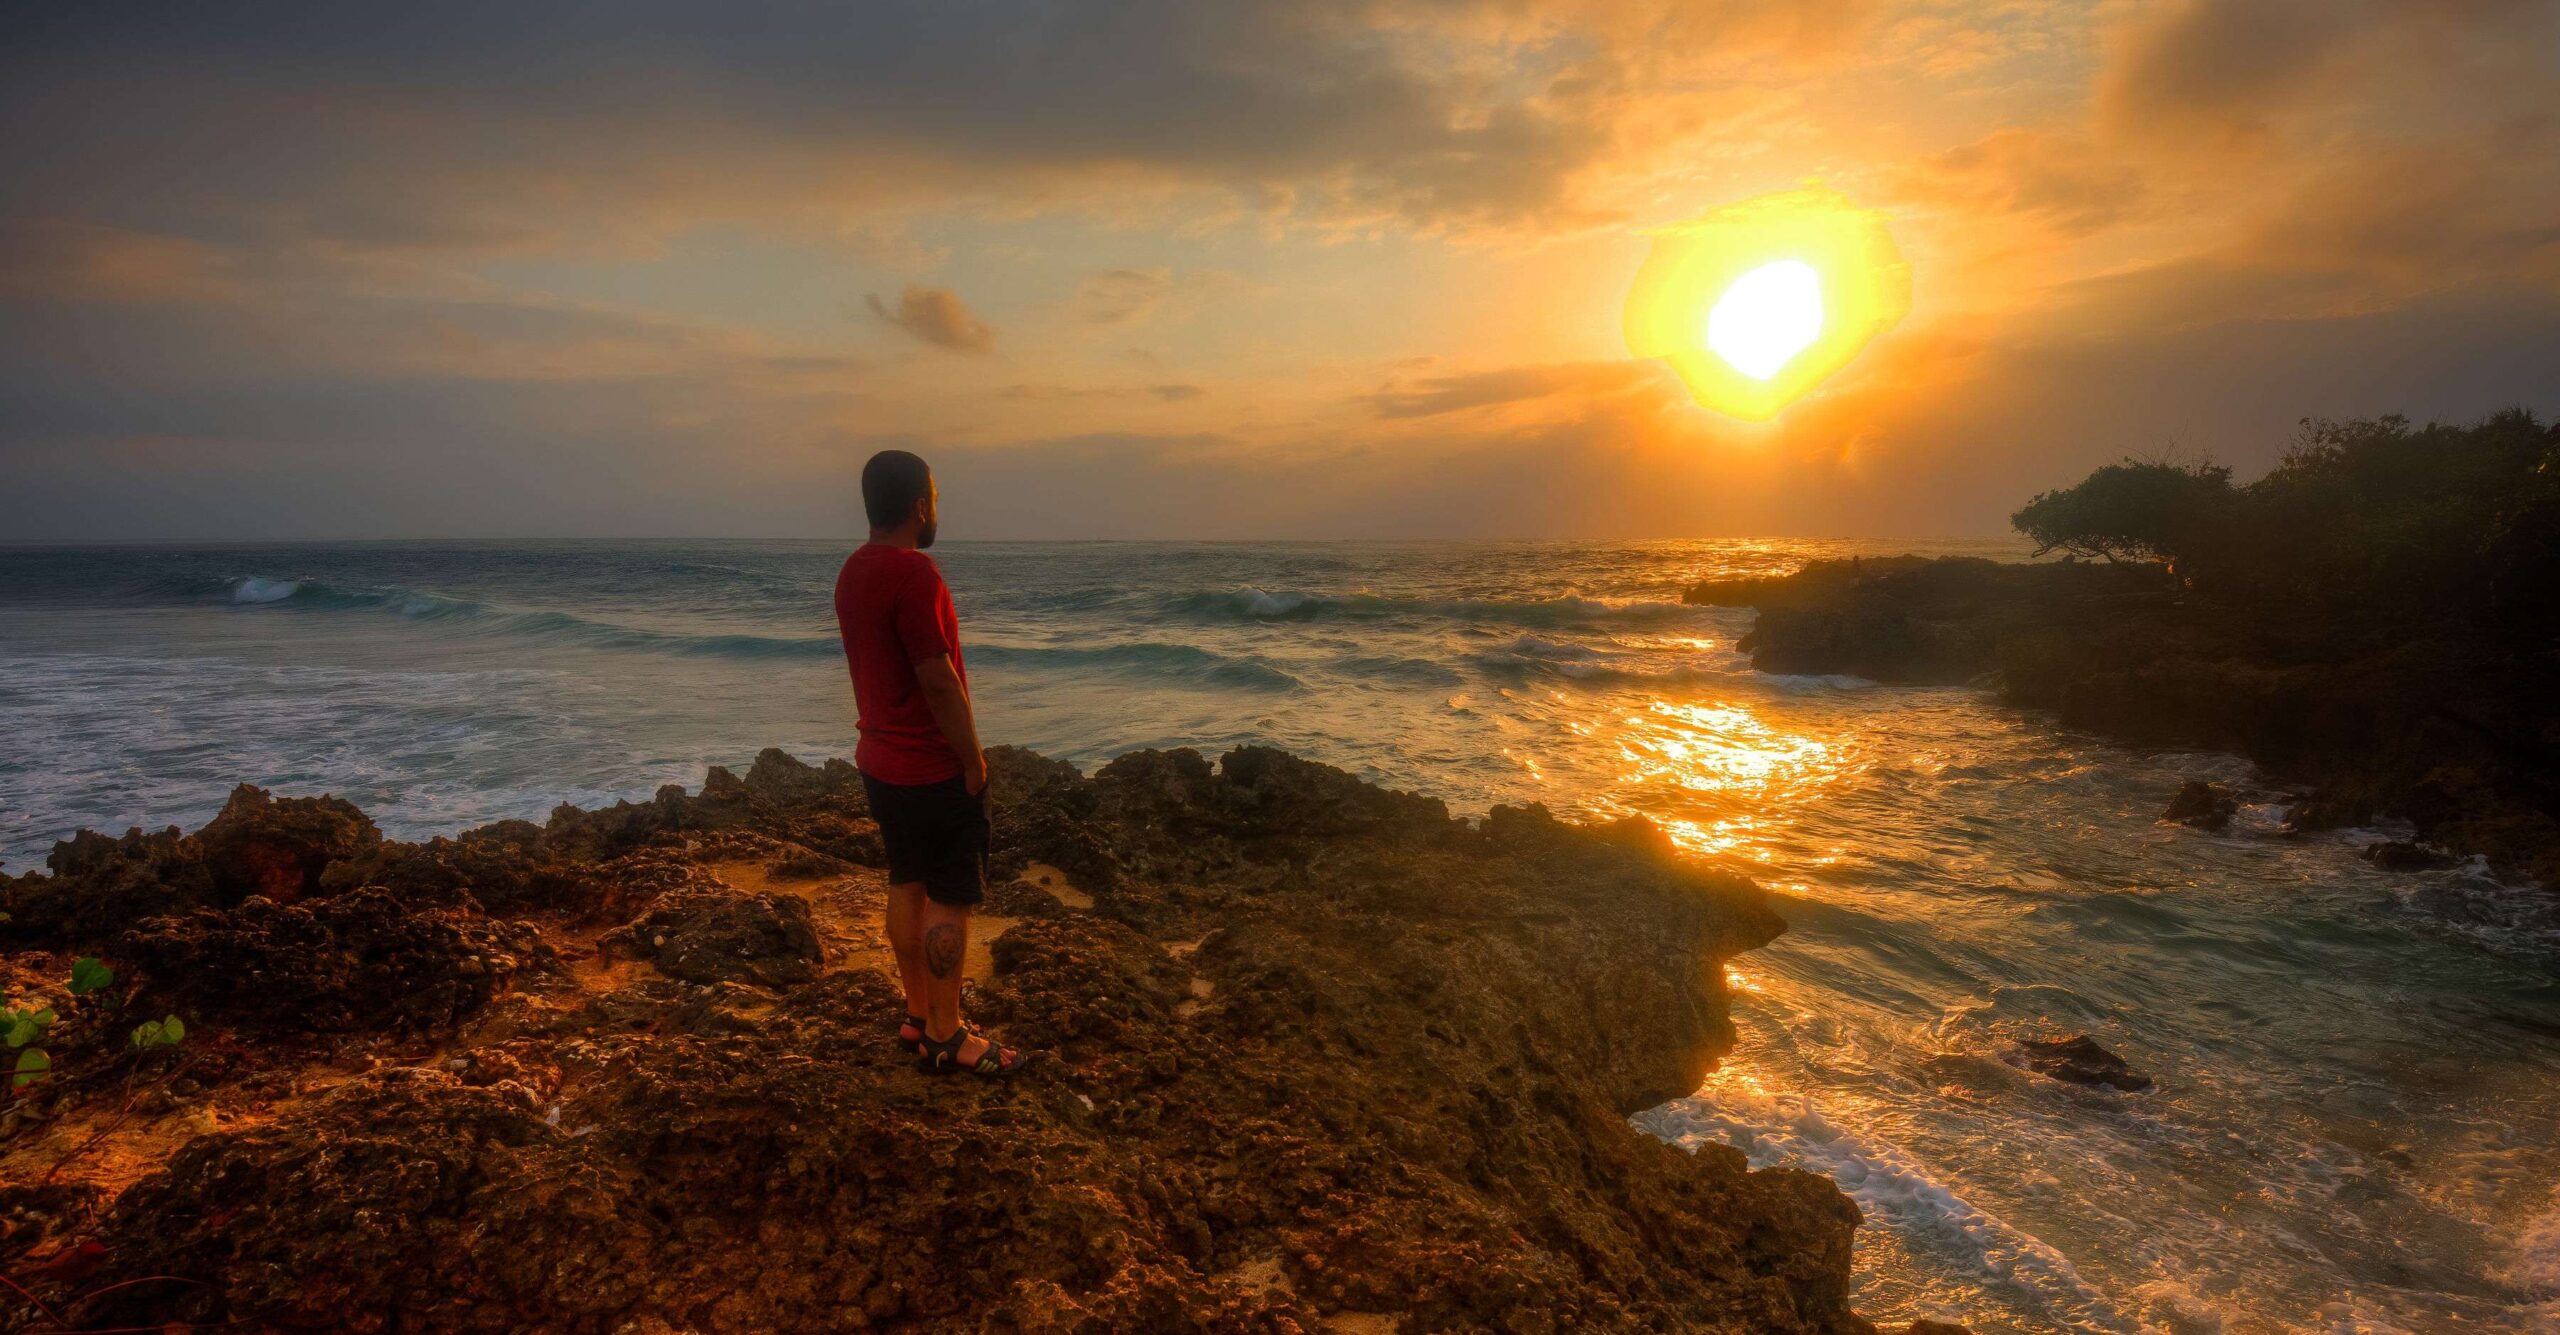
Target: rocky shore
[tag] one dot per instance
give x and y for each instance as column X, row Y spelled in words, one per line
column 2457, row 735
column 1317, row 1057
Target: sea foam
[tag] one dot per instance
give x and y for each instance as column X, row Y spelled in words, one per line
column 1893, row 1188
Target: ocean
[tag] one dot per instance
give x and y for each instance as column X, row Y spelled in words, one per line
column 2353, row 1128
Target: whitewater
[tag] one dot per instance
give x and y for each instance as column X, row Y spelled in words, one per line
column 2353, row 1126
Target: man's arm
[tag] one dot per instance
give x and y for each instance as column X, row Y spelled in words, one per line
column 948, row 697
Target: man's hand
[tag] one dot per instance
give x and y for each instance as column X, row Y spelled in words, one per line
column 949, row 701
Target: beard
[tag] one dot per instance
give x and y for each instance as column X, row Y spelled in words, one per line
column 924, row 536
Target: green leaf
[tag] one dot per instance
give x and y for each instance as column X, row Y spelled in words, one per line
column 88, row 974
column 151, row 1034
column 20, row 1028
column 32, row 1064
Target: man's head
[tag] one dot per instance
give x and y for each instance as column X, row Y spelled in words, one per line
column 897, row 490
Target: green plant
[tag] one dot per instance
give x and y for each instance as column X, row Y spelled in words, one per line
column 90, row 974
column 152, row 1035
column 22, row 1030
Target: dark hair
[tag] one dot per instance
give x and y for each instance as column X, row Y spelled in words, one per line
column 892, row 483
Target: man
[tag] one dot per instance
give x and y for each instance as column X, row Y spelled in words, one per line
column 921, row 763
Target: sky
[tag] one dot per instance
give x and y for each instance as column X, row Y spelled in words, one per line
column 1252, row 269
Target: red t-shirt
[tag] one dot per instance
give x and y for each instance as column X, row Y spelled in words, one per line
column 894, row 611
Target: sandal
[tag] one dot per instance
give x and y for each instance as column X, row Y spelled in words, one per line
column 915, row 1045
column 995, row 1062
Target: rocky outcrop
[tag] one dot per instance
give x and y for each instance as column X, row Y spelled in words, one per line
column 2205, row 806
column 2405, row 855
column 2077, row 1060
column 2460, row 736
column 1317, row 1056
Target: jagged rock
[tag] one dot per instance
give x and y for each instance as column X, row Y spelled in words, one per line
column 364, row 960
column 101, row 886
column 1048, row 817
column 2206, row 806
column 260, row 845
column 722, row 788
column 504, row 870
column 2078, row 1060
column 724, row 935
column 1313, row 1033
column 778, row 776
column 2405, row 855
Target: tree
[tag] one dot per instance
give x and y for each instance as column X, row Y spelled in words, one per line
column 2130, row 511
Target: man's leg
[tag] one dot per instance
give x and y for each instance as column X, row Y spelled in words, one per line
column 906, row 941
column 946, row 948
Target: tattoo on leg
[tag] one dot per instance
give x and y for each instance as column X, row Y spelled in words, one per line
column 942, row 949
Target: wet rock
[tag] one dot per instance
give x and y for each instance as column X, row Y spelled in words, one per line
column 2078, row 1060
column 724, row 935
column 2328, row 811
column 2206, row 806
column 364, row 960
column 2405, row 855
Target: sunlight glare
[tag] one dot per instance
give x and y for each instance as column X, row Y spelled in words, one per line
column 1754, row 304
column 1768, row 316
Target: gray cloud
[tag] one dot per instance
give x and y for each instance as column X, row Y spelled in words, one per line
column 495, row 126
column 936, row 315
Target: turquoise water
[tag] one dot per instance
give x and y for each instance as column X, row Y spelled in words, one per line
column 2354, row 1125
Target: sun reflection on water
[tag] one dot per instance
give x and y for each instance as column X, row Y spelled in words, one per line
column 1713, row 774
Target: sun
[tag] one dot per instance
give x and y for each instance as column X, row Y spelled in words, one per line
column 1768, row 316
column 1756, row 303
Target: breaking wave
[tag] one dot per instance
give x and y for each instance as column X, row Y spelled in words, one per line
column 480, row 618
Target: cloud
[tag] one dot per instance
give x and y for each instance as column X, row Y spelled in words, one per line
column 562, row 127
column 2236, row 71
column 2219, row 65
column 936, row 315
column 2062, row 180
column 538, row 269
column 1121, row 296
column 1071, row 393
column 66, row 261
column 1432, row 396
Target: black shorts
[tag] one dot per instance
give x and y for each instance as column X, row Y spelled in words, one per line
column 936, row 833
